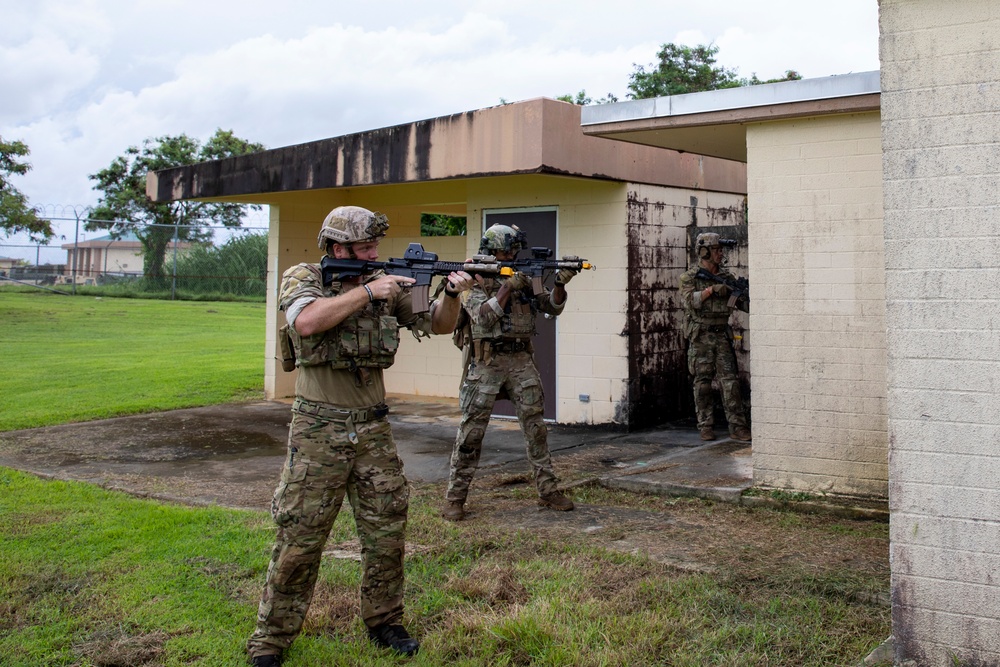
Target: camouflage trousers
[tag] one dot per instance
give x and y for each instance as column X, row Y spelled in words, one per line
column 517, row 375
column 709, row 356
column 326, row 461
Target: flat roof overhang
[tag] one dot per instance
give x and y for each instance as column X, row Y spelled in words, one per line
column 540, row 136
column 713, row 123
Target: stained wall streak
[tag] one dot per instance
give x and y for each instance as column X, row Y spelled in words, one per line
column 658, row 380
column 660, row 239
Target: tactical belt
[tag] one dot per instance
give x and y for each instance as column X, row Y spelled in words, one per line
column 715, row 328
column 509, row 345
column 357, row 415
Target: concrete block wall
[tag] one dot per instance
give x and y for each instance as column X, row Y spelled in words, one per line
column 940, row 111
column 817, row 315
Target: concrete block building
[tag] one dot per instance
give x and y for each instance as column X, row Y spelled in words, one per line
column 941, row 180
column 872, row 219
column 815, row 255
column 615, row 356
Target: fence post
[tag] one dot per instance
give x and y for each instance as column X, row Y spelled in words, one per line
column 173, row 288
column 76, row 248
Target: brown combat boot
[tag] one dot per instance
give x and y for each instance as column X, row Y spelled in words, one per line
column 707, row 433
column 742, row 433
column 556, row 501
column 453, row 511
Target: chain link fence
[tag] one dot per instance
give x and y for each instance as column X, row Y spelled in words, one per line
column 153, row 261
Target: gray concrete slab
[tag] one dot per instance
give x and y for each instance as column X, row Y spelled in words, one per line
column 232, row 454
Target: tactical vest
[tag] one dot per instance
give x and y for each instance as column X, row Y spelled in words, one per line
column 366, row 339
column 519, row 323
column 714, row 312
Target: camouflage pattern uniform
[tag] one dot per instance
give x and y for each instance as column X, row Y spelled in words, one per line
column 710, row 353
column 339, row 444
column 500, row 362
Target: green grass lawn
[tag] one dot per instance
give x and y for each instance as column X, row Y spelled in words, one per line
column 91, row 578
column 80, row 358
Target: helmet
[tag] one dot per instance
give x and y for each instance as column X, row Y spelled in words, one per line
column 501, row 237
column 352, row 224
column 705, row 241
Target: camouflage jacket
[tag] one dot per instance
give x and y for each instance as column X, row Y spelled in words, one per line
column 698, row 313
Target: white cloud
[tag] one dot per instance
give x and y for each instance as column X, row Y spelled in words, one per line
column 40, row 74
column 92, row 78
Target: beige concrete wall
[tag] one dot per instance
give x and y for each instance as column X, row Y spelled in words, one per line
column 591, row 346
column 591, row 219
column 105, row 257
column 817, row 270
column 940, row 102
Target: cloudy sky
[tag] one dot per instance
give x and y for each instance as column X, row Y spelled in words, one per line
column 84, row 79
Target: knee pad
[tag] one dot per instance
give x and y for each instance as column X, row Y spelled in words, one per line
column 472, row 440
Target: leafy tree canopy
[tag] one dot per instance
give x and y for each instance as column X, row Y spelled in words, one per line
column 124, row 207
column 583, row 99
column 685, row 69
column 15, row 214
column 439, row 224
column 681, row 69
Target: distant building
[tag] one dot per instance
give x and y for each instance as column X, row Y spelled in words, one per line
column 105, row 255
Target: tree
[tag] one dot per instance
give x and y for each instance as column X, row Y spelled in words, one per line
column 583, row 99
column 15, row 214
column 439, row 224
column 238, row 266
column 684, row 69
column 125, row 208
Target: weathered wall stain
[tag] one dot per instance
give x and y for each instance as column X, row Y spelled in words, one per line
column 389, row 155
column 658, row 385
column 660, row 248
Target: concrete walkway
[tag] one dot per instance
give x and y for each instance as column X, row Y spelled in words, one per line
column 665, row 460
column 232, row 455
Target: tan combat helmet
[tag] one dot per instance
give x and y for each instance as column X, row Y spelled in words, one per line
column 501, row 237
column 704, row 242
column 352, row 224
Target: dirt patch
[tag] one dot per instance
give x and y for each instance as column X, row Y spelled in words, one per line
column 118, row 647
column 700, row 536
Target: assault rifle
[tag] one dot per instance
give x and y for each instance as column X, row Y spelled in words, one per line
column 739, row 288
column 422, row 265
column 417, row 263
column 539, row 262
